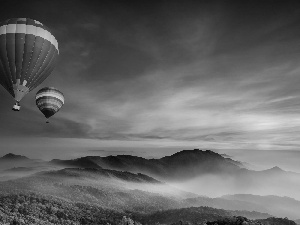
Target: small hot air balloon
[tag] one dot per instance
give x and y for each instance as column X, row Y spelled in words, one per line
column 49, row 100
column 28, row 54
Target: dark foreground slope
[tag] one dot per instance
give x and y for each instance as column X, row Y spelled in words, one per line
column 194, row 215
column 39, row 209
column 244, row 221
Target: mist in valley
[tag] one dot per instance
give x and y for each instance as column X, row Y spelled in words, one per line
column 263, row 184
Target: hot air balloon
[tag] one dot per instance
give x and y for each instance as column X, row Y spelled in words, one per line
column 28, row 54
column 49, row 100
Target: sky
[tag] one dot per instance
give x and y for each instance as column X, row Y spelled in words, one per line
column 157, row 75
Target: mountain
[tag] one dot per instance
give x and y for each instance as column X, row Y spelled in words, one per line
column 116, row 190
column 228, row 204
column 181, row 165
column 242, row 220
column 14, row 166
column 33, row 208
column 120, row 190
column 13, row 157
column 145, row 185
column 192, row 215
column 201, row 172
column 84, row 162
column 275, row 205
column 19, row 169
column 277, row 221
column 93, row 173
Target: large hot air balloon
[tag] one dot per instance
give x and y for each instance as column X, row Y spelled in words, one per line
column 49, row 100
column 28, row 53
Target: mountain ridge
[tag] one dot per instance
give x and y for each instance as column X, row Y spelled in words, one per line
column 184, row 164
column 11, row 156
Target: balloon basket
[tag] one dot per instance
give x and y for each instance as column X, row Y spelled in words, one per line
column 16, row 107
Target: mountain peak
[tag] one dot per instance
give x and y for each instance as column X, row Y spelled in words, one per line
column 195, row 152
column 276, row 168
column 13, row 156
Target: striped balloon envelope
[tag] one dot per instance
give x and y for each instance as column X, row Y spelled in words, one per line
column 28, row 54
column 49, row 100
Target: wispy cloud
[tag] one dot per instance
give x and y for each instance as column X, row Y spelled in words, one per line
column 213, row 74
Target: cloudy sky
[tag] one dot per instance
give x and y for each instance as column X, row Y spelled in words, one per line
column 154, row 75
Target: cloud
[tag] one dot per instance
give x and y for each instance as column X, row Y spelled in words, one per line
column 218, row 74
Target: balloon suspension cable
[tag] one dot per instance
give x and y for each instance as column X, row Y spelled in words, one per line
column 16, row 107
column 47, row 121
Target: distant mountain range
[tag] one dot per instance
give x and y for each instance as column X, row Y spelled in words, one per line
column 206, row 169
column 99, row 173
column 182, row 165
column 126, row 182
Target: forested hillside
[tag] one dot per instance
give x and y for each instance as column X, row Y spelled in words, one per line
column 21, row 209
column 38, row 209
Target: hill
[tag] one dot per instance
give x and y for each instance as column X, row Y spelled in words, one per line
column 109, row 189
column 275, row 205
column 194, row 215
column 93, row 173
column 182, row 165
column 239, row 220
column 228, row 204
column 190, row 215
column 11, row 156
column 44, row 209
column 14, row 166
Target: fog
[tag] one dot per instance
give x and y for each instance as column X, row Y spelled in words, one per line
column 262, row 183
column 264, row 159
column 213, row 186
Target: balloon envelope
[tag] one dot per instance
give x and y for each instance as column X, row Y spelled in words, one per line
column 28, row 54
column 49, row 100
